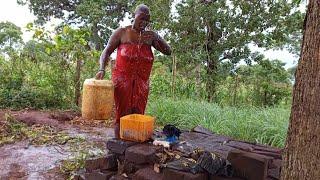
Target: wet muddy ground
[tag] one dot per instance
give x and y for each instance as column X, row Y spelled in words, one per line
column 22, row 160
column 48, row 157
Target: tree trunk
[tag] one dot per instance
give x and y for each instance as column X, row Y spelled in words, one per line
column 198, row 80
column 265, row 99
column 302, row 152
column 211, row 79
column 96, row 37
column 77, row 84
column 212, row 37
column 235, row 90
column 174, row 71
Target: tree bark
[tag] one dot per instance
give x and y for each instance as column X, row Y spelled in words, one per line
column 235, row 90
column 212, row 67
column 198, row 80
column 265, row 99
column 174, row 71
column 212, row 37
column 302, row 151
column 77, row 84
column 96, row 38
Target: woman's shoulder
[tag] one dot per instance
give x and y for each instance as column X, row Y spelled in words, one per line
column 151, row 33
column 117, row 33
column 121, row 29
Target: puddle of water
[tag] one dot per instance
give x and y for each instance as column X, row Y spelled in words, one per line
column 32, row 160
column 92, row 133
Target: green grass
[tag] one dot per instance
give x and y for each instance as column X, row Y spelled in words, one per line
column 261, row 125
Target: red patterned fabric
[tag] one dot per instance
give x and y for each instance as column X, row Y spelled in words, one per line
column 131, row 78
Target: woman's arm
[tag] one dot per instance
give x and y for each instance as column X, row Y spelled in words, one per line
column 161, row 45
column 113, row 43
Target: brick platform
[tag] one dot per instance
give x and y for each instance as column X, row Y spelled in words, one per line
column 130, row 160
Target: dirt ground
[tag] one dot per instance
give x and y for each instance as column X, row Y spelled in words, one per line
column 20, row 160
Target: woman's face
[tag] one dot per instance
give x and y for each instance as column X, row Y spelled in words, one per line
column 141, row 20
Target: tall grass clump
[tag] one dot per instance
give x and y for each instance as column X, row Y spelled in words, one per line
column 260, row 125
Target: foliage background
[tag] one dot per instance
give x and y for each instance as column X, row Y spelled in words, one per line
column 213, row 78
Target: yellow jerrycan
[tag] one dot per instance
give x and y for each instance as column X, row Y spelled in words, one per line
column 97, row 99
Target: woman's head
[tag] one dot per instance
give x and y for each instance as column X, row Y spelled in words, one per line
column 141, row 17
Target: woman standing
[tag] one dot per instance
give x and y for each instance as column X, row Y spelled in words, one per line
column 133, row 64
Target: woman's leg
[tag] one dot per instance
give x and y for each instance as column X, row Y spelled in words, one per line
column 140, row 96
column 122, row 92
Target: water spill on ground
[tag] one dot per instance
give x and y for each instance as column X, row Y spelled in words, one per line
column 23, row 161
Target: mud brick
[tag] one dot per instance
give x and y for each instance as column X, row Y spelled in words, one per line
column 96, row 175
column 202, row 130
column 274, row 173
column 119, row 146
column 275, row 168
column 147, row 174
column 130, row 167
column 276, row 155
column 120, row 157
column 108, row 173
column 212, row 177
column 275, row 163
column 175, row 175
column 142, row 153
column 241, row 145
column 119, row 177
column 93, row 164
column 190, row 136
column 249, row 165
column 267, row 148
column 107, row 162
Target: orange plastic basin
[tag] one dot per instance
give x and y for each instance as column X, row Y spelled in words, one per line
column 136, row 127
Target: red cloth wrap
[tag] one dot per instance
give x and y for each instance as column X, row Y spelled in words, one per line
column 131, row 78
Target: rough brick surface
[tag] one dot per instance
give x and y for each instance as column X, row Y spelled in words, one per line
column 108, row 173
column 95, row 176
column 274, row 173
column 142, row 154
column 224, row 178
column 121, row 157
column 147, row 174
column 275, row 163
column 202, row 130
column 119, row 146
column 130, row 167
column 118, row 177
column 177, row 175
column 249, row 165
column 107, row 162
column 93, row 164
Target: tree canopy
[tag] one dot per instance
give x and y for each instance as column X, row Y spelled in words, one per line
column 99, row 15
column 210, row 36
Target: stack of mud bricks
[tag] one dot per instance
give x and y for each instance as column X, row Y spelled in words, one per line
column 131, row 160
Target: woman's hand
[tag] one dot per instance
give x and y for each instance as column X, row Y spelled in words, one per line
column 100, row 75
